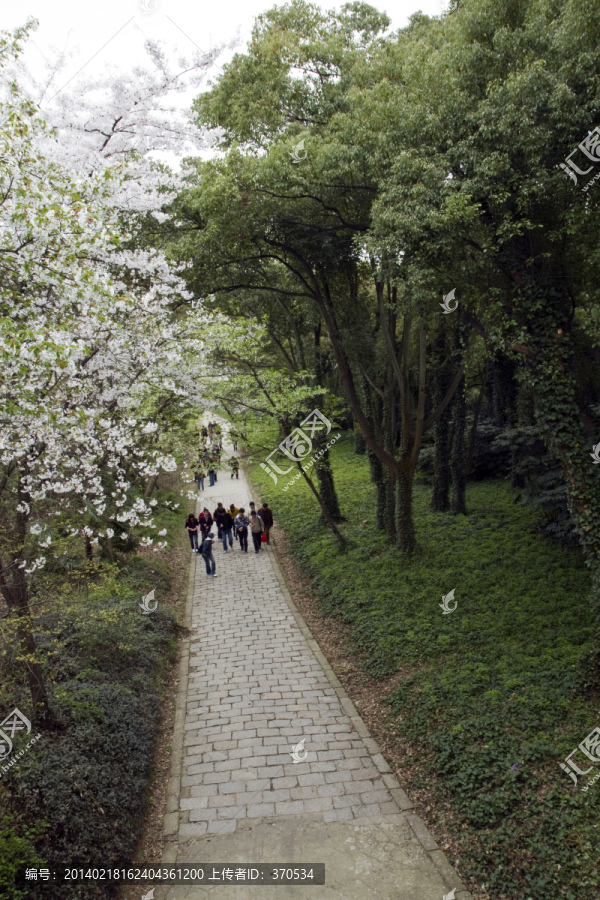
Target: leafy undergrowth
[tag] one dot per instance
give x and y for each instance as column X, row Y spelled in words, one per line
column 76, row 798
column 507, row 679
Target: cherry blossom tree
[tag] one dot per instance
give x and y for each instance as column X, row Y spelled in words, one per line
column 96, row 341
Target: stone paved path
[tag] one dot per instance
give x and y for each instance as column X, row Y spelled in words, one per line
column 253, row 685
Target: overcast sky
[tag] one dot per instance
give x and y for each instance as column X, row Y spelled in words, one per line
column 112, row 32
column 123, row 25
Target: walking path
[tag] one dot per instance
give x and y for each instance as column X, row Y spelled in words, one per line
column 253, row 685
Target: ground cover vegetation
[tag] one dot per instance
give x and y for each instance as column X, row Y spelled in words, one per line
column 487, row 698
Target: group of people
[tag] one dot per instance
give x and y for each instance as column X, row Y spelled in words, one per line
column 209, row 456
column 230, row 522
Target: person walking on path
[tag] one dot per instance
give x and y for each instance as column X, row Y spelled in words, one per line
column 234, row 439
column 233, row 511
column 191, row 524
column 235, row 467
column 219, row 515
column 211, row 475
column 256, row 527
column 267, row 518
column 226, row 529
column 207, row 553
column 241, row 526
column 206, row 521
column 199, row 476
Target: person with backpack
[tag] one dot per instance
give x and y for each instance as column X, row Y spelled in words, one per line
column 256, row 527
column 241, row 523
column 267, row 518
column 191, row 524
column 207, row 554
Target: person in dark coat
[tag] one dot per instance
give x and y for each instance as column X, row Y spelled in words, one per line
column 241, row 523
column 191, row 524
column 267, row 517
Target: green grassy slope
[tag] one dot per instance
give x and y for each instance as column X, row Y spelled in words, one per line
column 496, row 683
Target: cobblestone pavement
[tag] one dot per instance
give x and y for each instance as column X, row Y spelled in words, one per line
column 254, row 686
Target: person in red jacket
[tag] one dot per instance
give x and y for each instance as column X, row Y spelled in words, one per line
column 267, row 517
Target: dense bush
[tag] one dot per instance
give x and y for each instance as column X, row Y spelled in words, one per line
column 84, row 784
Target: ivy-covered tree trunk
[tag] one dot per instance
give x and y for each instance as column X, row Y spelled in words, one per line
column 324, row 473
column 360, row 445
column 379, row 479
column 440, row 497
column 390, row 481
column 549, row 372
column 458, row 457
column 406, row 538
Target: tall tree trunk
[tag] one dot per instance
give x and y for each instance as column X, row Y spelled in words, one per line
column 440, row 497
column 150, row 486
column 327, row 490
column 325, row 512
column 13, row 583
column 476, row 414
column 458, row 458
column 406, row 538
column 360, row 446
column 390, row 477
column 107, row 548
